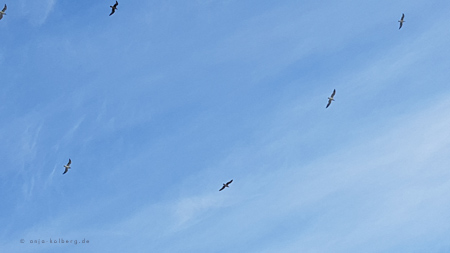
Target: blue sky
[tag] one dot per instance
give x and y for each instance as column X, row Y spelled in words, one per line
column 164, row 101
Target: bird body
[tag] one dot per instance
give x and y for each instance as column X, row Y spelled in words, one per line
column 402, row 20
column 67, row 167
column 226, row 185
column 330, row 99
column 2, row 12
column 113, row 8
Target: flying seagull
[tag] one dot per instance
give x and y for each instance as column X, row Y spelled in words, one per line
column 401, row 20
column 114, row 8
column 331, row 98
column 67, row 166
column 226, row 185
column 3, row 12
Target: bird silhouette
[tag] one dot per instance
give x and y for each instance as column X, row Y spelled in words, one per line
column 226, row 185
column 402, row 20
column 67, row 166
column 113, row 8
column 331, row 98
column 2, row 12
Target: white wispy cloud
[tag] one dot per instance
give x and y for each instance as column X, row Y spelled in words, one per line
column 190, row 208
column 373, row 189
column 37, row 12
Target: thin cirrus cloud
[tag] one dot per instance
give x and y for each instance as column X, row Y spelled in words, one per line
column 372, row 188
column 369, row 188
column 37, row 12
column 378, row 188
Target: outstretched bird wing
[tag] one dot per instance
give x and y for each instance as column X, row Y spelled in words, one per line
column 69, row 162
column 113, row 8
column 223, row 187
column 230, row 182
column 65, row 171
column 3, row 11
column 401, row 20
column 330, row 99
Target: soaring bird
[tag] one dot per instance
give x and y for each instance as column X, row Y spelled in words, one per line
column 114, row 8
column 401, row 20
column 67, row 166
column 331, row 98
column 226, row 185
column 3, row 12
